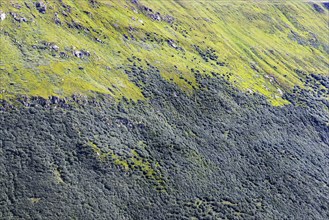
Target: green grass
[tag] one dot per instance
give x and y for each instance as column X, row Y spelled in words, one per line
column 243, row 33
column 134, row 162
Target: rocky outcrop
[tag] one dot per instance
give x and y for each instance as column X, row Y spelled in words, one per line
column 81, row 53
column 18, row 17
column 2, row 16
column 41, row 7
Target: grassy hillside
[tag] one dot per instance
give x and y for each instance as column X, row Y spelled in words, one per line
column 164, row 110
column 68, row 47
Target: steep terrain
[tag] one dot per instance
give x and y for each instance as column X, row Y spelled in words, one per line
column 164, row 109
column 67, row 47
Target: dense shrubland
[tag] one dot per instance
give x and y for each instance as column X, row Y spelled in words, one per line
column 216, row 153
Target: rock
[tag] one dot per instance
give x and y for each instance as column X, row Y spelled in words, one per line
column 55, row 47
column 94, row 3
column 81, row 54
column 172, row 43
column 169, row 19
column 17, row 6
column 41, row 7
column 2, row 16
column 57, row 20
column 63, row 55
column 318, row 8
column 17, row 17
column 54, row 100
column 87, row 12
column 147, row 9
column 64, row 13
column 326, row 5
column 13, row 14
column 78, row 53
column 86, row 53
column 207, row 20
column 77, row 25
column 155, row 16
column 280, row 91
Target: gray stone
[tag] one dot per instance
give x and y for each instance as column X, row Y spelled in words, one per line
column 2, row 16
column 17, row 17
column 78, row 53
column 41, row 7
column 55, row 47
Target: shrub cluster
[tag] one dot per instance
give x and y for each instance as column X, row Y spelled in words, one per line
column 216, row 153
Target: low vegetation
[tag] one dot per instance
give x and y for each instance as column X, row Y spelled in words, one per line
column 147, row 109
column 61, row 48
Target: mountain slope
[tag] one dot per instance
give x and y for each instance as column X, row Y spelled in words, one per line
column 71, row 47
column 217, row 155
column 164, row 110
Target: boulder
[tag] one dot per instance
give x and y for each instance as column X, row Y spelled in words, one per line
column 78, row 53
column 318, row 8
column 41, row 7
column 326, row 5
column 82, row 53
column 172, row 43
column 156, row 16
column 18, row 17
column 2, row 16
column 86, row 53
column 55, row 47
column 63, row 55
column 169, row 19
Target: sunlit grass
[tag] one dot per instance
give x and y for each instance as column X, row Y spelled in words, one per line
column 244, row 34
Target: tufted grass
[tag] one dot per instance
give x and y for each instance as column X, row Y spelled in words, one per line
column 251, row 38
